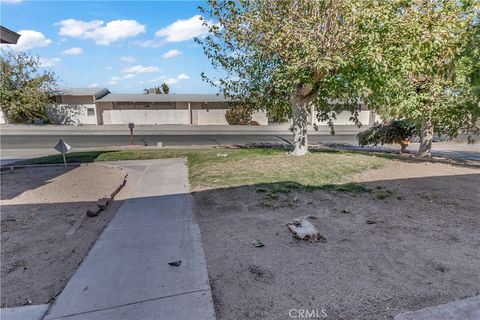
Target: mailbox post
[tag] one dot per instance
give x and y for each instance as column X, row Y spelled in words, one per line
column 131, row 126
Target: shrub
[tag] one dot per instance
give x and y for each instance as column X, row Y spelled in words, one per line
column 396, row 131
column 238, row 116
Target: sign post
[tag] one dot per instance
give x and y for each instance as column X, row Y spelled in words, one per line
column 63, row 148
column 131, row 125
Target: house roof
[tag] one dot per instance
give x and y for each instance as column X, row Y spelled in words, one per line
column 97, row 92
column 8, row 36
column 189, row 97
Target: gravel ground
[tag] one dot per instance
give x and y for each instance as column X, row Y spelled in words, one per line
column 38, row 207
column 409, row 243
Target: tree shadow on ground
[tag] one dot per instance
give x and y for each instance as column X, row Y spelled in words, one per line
column 38, row 258
column 391, row 246
column 75, row 157
column 10, row 190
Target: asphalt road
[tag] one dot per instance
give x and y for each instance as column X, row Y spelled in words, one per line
column 89, row 141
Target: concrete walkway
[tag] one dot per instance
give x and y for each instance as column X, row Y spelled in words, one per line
column 466, row 309
column 127, row 275
column 31, row 312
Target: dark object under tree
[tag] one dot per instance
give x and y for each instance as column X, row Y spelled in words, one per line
column 394, row 132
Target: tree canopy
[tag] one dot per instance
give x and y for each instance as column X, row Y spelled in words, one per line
column 286, row 56
column 24, row 89
column 422, row 64
column 412, row 59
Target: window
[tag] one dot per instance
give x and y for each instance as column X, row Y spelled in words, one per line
column 90, row 112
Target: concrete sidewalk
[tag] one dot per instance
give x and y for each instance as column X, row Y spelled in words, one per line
column 126, row 274
column 466, row 309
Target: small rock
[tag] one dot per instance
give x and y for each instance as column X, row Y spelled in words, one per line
column 304, row 230
column 175, row 263
column 103, row 203
column 93, row 210
column 258, row 244
column 295, row 198
column 370, row 222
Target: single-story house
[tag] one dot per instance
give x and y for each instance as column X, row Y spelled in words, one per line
column 76, row 105
column 99, row 106
column 196, row 109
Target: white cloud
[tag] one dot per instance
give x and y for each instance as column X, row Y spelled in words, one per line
column 182, row 30
column 141, row 69
column 116, row 79
column 73, row 51
column 128, row 58
column 172, row 81
column 157, row 79
column 29, row 39
column 109, row 67
column 97, row 30
column 49, row 62
column 171, row 53
column 93, row 85
column 155, row 43
column 183, row 76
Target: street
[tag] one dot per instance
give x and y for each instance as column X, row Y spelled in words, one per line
column 89, row 141
column 23, row 142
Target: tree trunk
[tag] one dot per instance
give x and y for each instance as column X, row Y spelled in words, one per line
column 4, row 116
column 426, row 138
column 300, row 120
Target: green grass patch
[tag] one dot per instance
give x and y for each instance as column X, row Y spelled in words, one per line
column 272, row 170
column 347, row 187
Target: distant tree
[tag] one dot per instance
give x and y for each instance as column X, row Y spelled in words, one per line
column 238, row 115
column 423, row 64
column 25, row 90
column 285, row 56
column 165, row 88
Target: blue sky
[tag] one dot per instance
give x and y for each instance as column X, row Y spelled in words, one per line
column 125, row 46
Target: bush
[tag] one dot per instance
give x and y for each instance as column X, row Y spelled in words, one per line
column 396, row 131
column 238, row 116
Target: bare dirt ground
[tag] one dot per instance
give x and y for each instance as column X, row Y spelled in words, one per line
column 38, row 207
column 410, row 242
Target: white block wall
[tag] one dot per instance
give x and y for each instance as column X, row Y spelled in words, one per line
column 146, row 116
column 343, row 118
column 211, row 117
column 217, row 117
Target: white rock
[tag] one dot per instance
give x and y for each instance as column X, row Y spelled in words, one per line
column 304, row 230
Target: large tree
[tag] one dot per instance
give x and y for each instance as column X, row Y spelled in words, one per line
column 24, row 88
column 286, row 56
column 421, row 62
